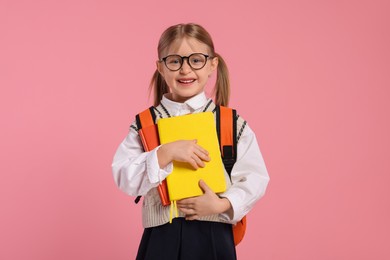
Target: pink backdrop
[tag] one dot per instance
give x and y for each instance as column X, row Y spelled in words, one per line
column 311, row 77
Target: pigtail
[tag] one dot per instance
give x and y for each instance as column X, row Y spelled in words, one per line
column 222, row 84
column 159, row 87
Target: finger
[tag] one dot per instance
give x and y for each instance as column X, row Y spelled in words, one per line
column 187, row 211
column 192, row 217
column 204, row 186
column 186, row 202
column 198, row 161
column 193, row 163
column 202, row 150
column 185, row 207
column 203, row 156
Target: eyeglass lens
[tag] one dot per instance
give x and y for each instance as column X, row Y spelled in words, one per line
column 195, row 60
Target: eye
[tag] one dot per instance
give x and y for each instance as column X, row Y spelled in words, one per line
column 197, row 59
column 174, row 59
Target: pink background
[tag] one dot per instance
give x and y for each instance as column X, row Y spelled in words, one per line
column 311, row 77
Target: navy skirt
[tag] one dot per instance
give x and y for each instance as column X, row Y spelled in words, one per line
column 188, row 240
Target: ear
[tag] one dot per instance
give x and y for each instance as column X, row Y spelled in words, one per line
column 214, row 63
column 160, row 69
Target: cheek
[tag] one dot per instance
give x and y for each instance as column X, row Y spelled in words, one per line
column 170, row 78
column 209, row 73
column 210, row 70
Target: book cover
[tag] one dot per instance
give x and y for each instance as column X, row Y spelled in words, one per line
column 183, row 182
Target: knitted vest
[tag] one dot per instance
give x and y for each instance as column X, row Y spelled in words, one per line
column 153, row 212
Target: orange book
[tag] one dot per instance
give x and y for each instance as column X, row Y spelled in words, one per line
column 150, row 140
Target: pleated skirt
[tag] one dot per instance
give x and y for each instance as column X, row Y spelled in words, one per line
column 188, row 240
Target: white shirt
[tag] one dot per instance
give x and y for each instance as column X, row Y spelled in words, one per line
column 136, row 172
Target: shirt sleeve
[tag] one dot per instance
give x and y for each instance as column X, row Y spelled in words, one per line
column 135, row 172
column 249, row 177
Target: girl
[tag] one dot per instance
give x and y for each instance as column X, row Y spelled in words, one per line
column 204, row 228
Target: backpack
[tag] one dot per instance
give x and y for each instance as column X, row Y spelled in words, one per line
column 226, row 126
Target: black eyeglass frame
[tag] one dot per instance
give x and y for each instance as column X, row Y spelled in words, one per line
column 188, row 60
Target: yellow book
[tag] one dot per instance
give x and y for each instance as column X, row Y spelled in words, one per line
column 183, row 182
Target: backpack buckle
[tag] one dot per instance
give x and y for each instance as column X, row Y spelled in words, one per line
column 228, row 158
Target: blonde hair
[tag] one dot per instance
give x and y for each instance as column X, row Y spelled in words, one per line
column 221, row 91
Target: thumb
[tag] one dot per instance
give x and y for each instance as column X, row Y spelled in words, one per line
column 204, row 186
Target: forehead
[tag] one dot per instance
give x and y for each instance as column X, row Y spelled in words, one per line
column 186, row 46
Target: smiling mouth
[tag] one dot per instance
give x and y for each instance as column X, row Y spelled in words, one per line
column 186, row 81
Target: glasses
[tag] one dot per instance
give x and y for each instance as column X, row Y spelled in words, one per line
column 196, row 61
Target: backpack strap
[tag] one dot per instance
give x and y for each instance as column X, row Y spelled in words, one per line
column 226, row 121
column 148, row 133
column 146, row 118
column 227, row 135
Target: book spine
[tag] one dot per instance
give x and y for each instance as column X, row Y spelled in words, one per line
column 146, row 139
column 163, row 192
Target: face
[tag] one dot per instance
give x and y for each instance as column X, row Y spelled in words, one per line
column 187, row 82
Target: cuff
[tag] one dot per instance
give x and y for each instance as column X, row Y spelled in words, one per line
column 238, row 210
column 155, row 174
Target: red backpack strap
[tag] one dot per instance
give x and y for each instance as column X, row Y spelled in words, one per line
column 147, row 129
column 148, row 133
column 227, row 134
column 146, row 118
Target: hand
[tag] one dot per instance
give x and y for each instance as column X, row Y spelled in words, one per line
column 207, row 204
column 183, row 151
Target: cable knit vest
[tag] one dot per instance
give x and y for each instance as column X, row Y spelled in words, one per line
column 153, row 212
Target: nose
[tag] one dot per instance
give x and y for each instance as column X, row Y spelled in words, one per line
column 185, row 68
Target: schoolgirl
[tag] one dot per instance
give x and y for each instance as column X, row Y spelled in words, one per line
column 203, row 230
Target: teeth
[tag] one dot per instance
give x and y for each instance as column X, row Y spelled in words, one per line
column 187, row 81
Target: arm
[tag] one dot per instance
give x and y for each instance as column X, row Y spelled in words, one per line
column 249, row 177
column 183, row 151
column 207, row 204
column 136, row 172
column 249, row 181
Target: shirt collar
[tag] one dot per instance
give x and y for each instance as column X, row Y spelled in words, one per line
column 191, row 105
